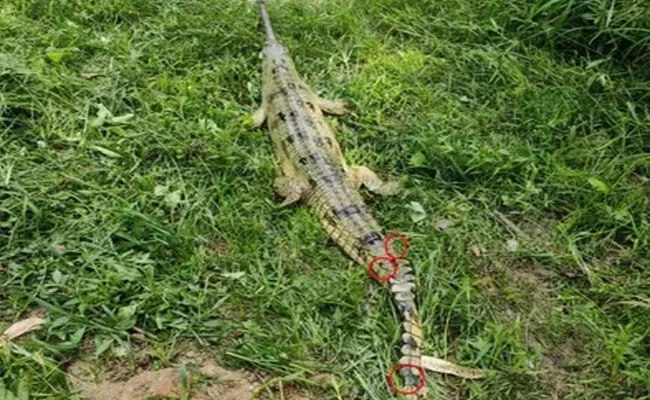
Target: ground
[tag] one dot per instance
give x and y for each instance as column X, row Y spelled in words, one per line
column 137, row 213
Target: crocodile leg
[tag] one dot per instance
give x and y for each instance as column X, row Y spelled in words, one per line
column 360, row 175
column 335, row 107
column 290, row 188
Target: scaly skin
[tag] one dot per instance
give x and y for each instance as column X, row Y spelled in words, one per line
column 315, row 172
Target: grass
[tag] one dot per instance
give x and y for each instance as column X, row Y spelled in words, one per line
column 135, row 197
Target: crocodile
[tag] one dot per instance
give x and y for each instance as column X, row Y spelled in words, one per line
column 314, row 171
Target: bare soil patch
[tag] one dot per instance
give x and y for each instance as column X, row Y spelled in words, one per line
column 204, row 379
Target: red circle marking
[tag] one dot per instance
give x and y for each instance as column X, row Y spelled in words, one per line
column 374, row 275
column 391, row 375
column 389, row 240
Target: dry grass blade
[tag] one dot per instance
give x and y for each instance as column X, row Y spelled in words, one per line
column 510, row 225
column 20, row 328
column 445, row 367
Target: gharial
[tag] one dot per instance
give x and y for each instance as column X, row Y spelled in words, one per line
column 314, row 171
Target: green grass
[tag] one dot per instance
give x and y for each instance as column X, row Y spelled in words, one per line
column 134, row 194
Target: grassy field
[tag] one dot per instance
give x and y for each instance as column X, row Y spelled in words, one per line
column 135, row 196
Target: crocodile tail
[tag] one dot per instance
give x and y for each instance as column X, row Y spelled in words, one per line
column 359, row 235
column 403, row 288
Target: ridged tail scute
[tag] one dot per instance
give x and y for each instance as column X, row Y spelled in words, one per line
column 403, row 288
column 270, row 37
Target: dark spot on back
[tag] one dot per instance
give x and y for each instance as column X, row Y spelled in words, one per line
column 311, row 106
column 310, row 122
column 313, row 158
column 328, row 174
column 347, row 211
column 281, row 116
column 279, row 92
column 371, row 238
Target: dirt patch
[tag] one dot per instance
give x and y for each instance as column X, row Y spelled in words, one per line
column 530, row 274
column 163, row 383
column 522, row 287
column 529, row 289
column 222, row 383
column 196, row 375
column 555, row 368
column 202, row 379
